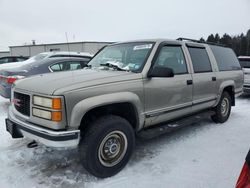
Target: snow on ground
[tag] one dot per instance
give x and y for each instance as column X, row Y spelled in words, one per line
column 204, row 155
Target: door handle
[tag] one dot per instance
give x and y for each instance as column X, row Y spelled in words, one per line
column 189, row 82
column 213, row 78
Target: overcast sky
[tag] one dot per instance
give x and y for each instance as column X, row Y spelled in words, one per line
column 46, row 21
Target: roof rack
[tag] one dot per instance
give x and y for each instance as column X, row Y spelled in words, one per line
column 198, row 41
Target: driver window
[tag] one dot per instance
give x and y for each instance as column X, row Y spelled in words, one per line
column 172, row 57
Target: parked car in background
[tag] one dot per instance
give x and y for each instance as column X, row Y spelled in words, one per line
column 126, row 89
column 244, row 178
column 11, row 59
column 245, row 64
column 56, row 64
column 46, row 55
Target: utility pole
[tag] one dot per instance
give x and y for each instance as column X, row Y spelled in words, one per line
column 66, row 34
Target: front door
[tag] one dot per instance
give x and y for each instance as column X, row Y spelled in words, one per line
column 168, row 98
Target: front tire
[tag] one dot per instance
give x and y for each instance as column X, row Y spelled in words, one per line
column 107, row 146
column 223, row 109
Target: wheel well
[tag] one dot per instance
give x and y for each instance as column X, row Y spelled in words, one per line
column 230, row 90
column 125, row 110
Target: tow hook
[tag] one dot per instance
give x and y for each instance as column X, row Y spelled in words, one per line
column 32, row 144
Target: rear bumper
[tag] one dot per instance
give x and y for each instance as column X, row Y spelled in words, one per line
column 58, row 139
column 5, row 91
column 246, row 88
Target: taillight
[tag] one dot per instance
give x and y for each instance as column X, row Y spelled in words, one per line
column 244, row 178
column 12, row 79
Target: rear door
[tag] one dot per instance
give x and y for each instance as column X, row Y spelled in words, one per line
column 204, row 79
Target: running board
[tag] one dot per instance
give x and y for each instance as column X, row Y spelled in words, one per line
column 163, row 128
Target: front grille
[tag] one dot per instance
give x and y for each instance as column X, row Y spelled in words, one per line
column 22, row 103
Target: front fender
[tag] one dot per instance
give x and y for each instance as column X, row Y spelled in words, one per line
column 82, row 107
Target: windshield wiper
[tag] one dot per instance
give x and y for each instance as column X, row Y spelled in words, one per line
column 110, row 65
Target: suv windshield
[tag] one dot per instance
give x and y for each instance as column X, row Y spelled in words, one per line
column 245, row 63
column 127, row 56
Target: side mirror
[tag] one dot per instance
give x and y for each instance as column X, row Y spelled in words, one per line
column 160, row 72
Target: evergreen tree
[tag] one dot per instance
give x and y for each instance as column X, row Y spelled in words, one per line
column 202, row 39
column 239, row 43
column 243, row 45
column 226, row 40
column 217, row 38
column 211, row 38
column 248, row 42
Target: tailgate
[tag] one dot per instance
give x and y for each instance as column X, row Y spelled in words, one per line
column 246, row 75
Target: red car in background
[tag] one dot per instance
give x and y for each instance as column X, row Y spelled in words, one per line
column 244, row 178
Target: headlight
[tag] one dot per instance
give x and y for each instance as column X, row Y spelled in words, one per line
column 53, row 103
column 41, row 113
column 54, row 116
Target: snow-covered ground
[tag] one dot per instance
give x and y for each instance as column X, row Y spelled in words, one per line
column 199, row 156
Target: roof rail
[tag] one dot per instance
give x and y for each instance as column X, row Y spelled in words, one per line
column 198, row 41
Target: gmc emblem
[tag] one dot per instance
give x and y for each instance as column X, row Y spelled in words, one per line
column 16, row 102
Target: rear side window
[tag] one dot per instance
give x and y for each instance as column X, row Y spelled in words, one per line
column 200, row 59
column 66, row 66
column 3, row 60
column 56, row 67
column 20, row 59
column 226, row 58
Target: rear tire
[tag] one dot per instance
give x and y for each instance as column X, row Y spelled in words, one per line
column 223, row 108
column 107, row 146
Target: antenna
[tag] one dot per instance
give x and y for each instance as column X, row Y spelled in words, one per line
column 67, row 40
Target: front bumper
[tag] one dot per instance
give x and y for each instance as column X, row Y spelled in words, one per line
column 58, row 139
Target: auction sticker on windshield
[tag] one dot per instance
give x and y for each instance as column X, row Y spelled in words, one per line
column 142, row 47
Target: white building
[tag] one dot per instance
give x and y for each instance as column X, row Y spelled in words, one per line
column 31, row 50
column 4, row 53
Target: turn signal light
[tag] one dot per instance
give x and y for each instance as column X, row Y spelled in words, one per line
column 56, row 103
column 56, row 116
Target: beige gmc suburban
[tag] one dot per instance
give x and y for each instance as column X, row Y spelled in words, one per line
column 127, row 88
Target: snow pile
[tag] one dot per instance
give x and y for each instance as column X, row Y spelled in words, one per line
column 203, row 155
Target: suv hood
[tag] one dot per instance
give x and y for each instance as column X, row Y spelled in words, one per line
column 58, row 83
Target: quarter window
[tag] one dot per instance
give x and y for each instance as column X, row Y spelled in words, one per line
column 200, row 59
column 56, row 67
column 226, row 58
column 172, row 57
